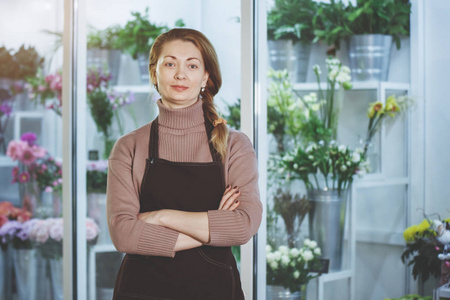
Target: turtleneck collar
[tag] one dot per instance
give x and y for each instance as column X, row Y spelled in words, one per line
column 181, row 118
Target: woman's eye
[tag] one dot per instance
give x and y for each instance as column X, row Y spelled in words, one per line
column 169, row 64
column 193, row 66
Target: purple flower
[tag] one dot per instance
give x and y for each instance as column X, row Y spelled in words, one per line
column 29, row 137
column 5, row 109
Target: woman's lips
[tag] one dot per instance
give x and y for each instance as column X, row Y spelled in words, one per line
column 179, row 88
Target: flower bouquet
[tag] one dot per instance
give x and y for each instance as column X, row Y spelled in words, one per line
column 17, row 234
column 427, row 249
column 9, row 213
column 47, row 89
column 104, row 104
column 48, row 234
column 37, row 172
column 293, row 267
column 96, row 175
column 379, row 112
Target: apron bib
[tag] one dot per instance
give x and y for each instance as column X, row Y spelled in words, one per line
column 201, row 273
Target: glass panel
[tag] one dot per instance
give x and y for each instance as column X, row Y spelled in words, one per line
column 396, row 142
column 110, row 50
column 300, row 94
column 30, row 154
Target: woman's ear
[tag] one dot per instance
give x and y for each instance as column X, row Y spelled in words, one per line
column 205, row 79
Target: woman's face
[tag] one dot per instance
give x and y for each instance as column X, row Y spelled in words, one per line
column 180, row 74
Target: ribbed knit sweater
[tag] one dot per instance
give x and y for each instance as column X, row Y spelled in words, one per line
column 182, row 138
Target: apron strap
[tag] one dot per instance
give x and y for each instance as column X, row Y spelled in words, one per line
column 154, row 140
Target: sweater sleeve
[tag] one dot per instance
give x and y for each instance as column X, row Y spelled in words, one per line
column 128, row 233
column 230, row 228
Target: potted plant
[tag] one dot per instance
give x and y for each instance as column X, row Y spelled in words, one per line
column 369, row 27
column 8, row 69
column 104, row 50
column 325, row 167
column 290, row 31
column 137, row 37
column 290, row 269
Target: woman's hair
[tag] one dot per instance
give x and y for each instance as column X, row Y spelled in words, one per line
column 219, row 135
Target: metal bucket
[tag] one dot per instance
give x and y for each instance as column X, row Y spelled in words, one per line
column 284, row 54
column 369, row 56
column 327, row 222
column 101, row 58
column 277, row 292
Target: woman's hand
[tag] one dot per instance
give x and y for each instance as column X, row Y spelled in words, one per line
column 151, row 217
column 229, row 199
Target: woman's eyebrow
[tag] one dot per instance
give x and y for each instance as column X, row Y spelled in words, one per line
column 173, row 57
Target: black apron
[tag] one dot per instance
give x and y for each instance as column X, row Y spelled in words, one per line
column 201, row 273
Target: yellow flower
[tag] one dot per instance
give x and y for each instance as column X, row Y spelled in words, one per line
column 376, row 108
column 392, row 106
column 410, row 233
column 424, row 225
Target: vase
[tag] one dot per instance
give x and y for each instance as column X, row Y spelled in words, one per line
column 56, row 278
column 327, row 222
column 369, row 56
column 97, row 211
column 293, row 57
column 24, row 261
column 274, row 292
column 49, row 205
column 143, row 61
column 7, row 273
column 105, row 58
column 29, row 192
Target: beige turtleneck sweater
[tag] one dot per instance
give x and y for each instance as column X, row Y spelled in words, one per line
column 182, row 138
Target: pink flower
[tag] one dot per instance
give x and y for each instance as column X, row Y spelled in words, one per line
column 41, row 88
column 41, row 234
column 3, row 220
column 56, row 231
column 15, row 149
column 437, row 248
column 447, row 263
column 24, row 177
column 92, row 229
column 48, row 189
column 38, row 152
column 28, row 157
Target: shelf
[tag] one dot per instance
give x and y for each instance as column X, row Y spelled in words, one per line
column 336, row 276
column 104, row 248
column 6, row 161
column 367, row 183
column 357, row 86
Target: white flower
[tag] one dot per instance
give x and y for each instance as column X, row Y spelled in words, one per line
column 310, row 157
column 315, row 107
column 356, row 157
column 348, row 163
column 321, row 143
column 295, row 166
column 317, row 251
column 308, row 255
column 359, row 150
column 313, row 244
column 306, row 242
column 342, row 148
column 311, row 147
column 332, row 74
column 270, row 257
column 285, row 260
column 283, row 250
column 296, row 274
column 274, row 265
column 268, row 249
column 316, row 69
column 343, row 77
column 343, row 168
column 277, row 255
column 294, row 252
column 345, row 69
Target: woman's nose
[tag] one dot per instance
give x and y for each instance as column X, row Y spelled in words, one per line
column 180, row 74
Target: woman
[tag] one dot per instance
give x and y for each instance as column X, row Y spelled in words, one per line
column 182, row 189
